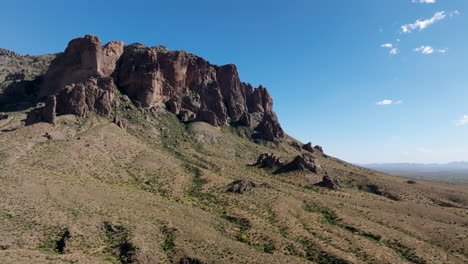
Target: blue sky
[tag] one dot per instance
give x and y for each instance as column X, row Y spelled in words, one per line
column 324, row 61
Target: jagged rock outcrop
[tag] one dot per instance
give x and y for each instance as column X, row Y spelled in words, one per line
column 241, row 186
column 9, row 53
column 330, row 183
column 295, row 145
column 318, row 148
column 46, row 113
column 308, row 147
column 93, row 95
column 268, row 160
column 120, row 122
column 83, row 59
column 300, row 163
column 85, row 77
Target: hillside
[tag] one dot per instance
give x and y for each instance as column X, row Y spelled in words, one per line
column 130, row 153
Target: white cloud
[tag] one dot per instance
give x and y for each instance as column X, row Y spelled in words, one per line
column 455, row 13
column 425, row 49
column 394, row 51
column 422, row 24
column 462, row 121
column 388, row 102
column 424, row 1
column 387, row 45
column 429, row 50
column 384, row 102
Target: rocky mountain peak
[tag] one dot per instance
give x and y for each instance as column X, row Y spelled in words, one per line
column 9, row 53
column 86, row 76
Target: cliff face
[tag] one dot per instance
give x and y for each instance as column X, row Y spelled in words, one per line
column 87, row 75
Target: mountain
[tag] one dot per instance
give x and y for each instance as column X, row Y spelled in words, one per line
column 131, row 154
column 453, row 171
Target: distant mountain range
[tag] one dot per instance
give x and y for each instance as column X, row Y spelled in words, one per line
column 453, row 171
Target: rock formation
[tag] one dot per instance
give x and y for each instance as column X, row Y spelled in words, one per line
column 9, row 53
column 300, row 163
column 120, row 122
column 86, row 76
column 268, row 160
column 241, row 186
column 308, row 147
column 46, row 113
column 318, row 148
column 330, row 183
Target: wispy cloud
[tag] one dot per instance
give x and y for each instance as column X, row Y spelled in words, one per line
column 394, row 51
column 388, row 102
column 462, row 121
column 454, row 13
column 422, row 24
column 429, row 50
column 424, row 1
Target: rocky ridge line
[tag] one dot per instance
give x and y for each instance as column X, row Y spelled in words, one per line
column 87, row 75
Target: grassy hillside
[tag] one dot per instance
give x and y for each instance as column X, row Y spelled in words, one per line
column 157, row 193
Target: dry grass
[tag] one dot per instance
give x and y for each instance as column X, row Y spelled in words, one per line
column 164, row 184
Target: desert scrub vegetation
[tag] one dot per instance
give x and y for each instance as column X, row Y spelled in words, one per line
column 118, row 242
column 332, row 218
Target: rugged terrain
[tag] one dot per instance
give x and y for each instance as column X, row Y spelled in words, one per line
column 135, row 154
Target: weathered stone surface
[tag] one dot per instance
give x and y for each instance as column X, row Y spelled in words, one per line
column 242, row 186
column 295, row 145
column 93, row 95
column 300, row 163
column 48, row 112
column 84, row 58
column 330, row 183
column 9, row 53
column 318, row 148
column 268, row 160
column 120, row 122
column 82, row 79
column 269, row 128
column 44, row 113
column 308, row 147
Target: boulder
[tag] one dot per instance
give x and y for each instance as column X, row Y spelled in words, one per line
column 45, row 113
column 120, row 122
column 295, row 146
column 318, row 148
column 308, row 147
column 330, row 183
column 269, row 128
column 241, row 186
column 3, row 116
column 268, row 160
column 300, row 163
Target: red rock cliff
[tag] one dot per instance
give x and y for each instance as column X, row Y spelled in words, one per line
column 85, row 77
